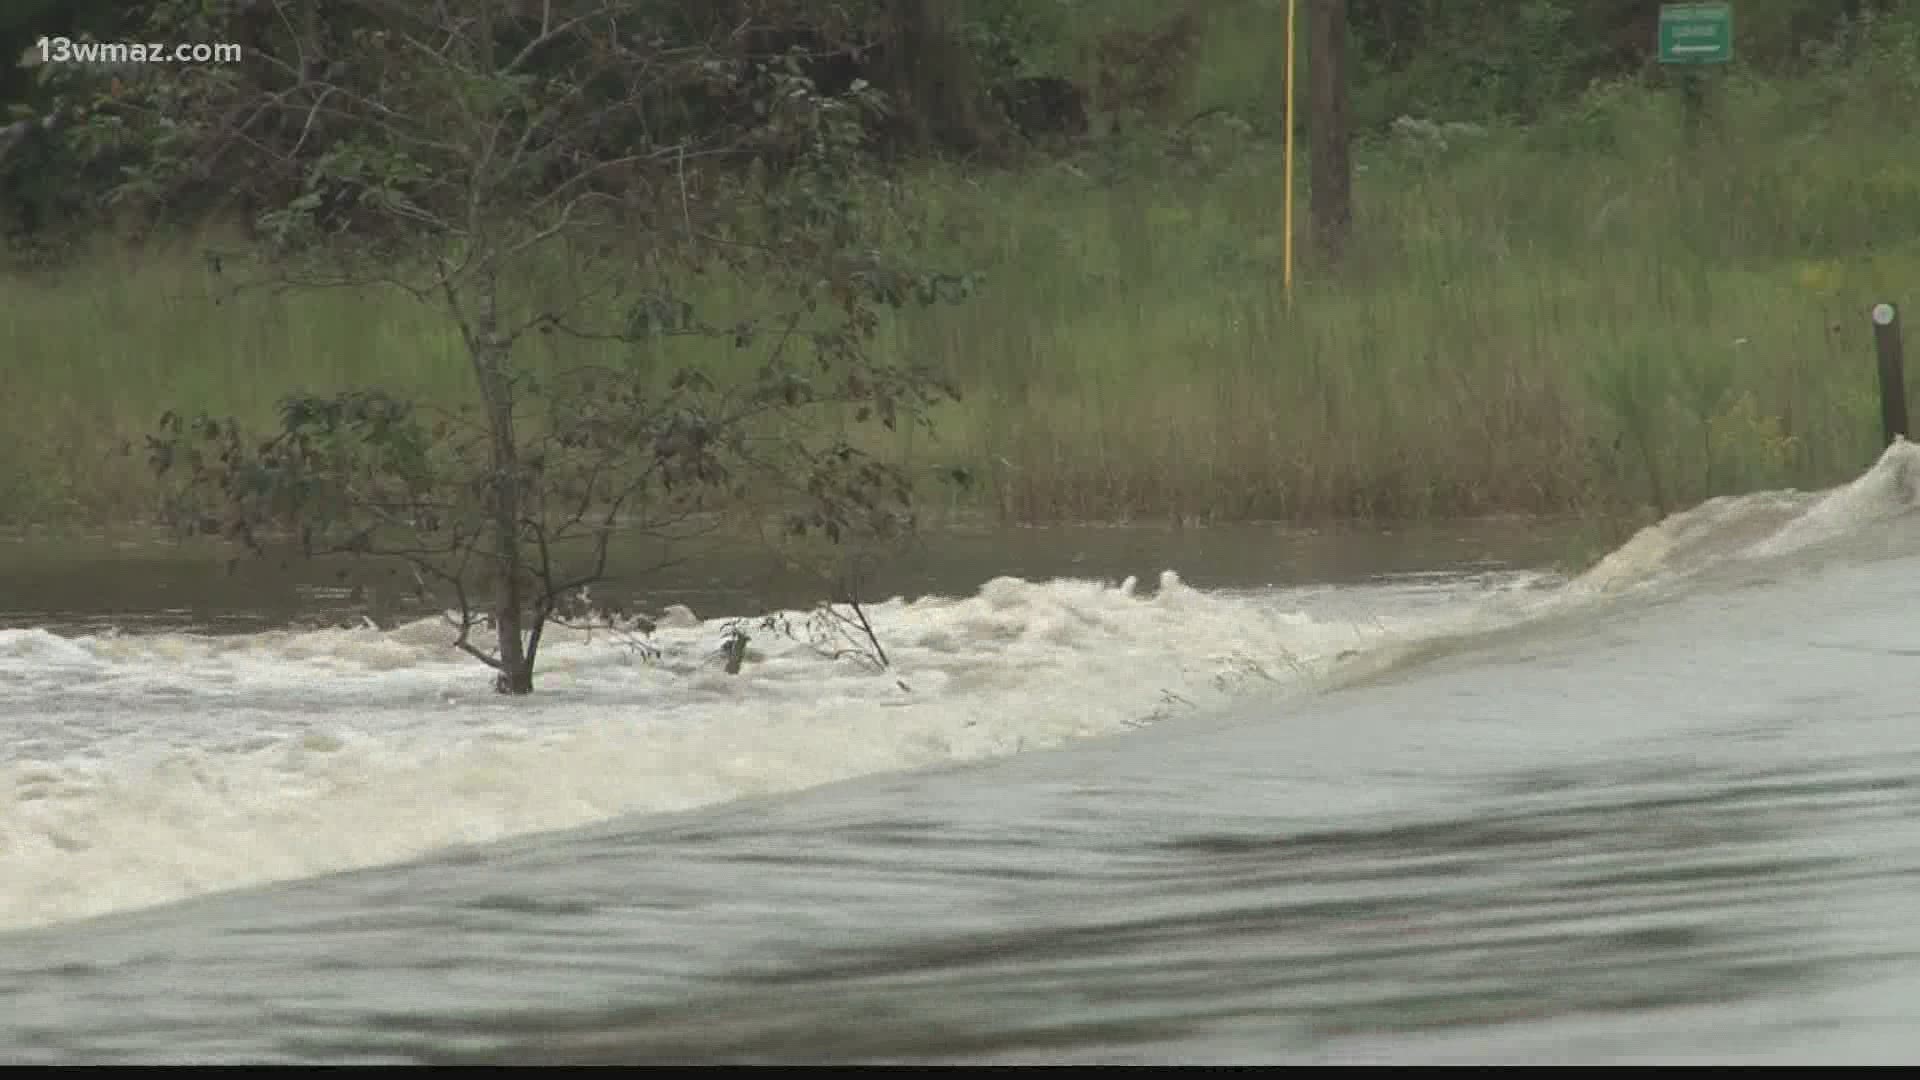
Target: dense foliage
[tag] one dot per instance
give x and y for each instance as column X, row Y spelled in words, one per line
column 982, row 78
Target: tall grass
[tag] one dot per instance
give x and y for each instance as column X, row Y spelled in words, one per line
column 1590, row 314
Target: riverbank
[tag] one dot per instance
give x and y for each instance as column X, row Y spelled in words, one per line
column 96, row 581
column 1596, row 314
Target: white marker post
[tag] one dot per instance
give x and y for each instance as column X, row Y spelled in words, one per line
column 1893, row 376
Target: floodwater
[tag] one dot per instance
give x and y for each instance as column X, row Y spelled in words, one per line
column 1280, row 799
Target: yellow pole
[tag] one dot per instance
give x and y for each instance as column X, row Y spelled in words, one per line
column 1287, row 243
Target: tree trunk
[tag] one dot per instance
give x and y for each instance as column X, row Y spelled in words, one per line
column 490, row 362
column 1331, row 196
column 935, row 81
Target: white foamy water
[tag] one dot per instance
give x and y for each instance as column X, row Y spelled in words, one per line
column 144, row 768
column 1766, row 525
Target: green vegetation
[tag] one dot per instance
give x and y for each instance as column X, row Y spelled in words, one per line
column 1584, row 312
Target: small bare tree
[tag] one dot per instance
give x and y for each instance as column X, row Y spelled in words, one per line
column 468, row 153
column 839, row 626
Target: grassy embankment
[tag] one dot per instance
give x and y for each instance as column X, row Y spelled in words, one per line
column 1591, row 314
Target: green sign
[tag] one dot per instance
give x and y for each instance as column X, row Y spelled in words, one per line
column 1696, row 33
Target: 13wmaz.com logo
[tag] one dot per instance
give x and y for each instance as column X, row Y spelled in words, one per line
column 63, row 50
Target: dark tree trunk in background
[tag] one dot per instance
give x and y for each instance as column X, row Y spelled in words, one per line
column 1331, row 195
column 936, row 82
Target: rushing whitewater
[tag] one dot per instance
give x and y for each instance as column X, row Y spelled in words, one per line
column 145, row 768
